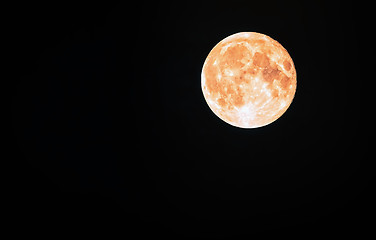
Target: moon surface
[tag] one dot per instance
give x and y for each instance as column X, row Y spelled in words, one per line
column 248, row 80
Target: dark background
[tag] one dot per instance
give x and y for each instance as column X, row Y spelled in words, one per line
column 112, row 133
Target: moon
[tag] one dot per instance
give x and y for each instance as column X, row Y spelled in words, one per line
column 248, row 80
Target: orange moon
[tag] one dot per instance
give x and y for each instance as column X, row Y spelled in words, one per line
column 248, row 80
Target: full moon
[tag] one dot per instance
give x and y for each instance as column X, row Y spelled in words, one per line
column 248, row 80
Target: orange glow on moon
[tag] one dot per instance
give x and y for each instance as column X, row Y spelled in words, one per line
column 248, row 80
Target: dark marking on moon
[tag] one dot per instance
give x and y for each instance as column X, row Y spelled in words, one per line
column 287, row 65
column 260, row 60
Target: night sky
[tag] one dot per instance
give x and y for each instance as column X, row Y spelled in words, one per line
column 112, row 133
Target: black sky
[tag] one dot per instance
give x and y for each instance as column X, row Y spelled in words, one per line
column 113, row 135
